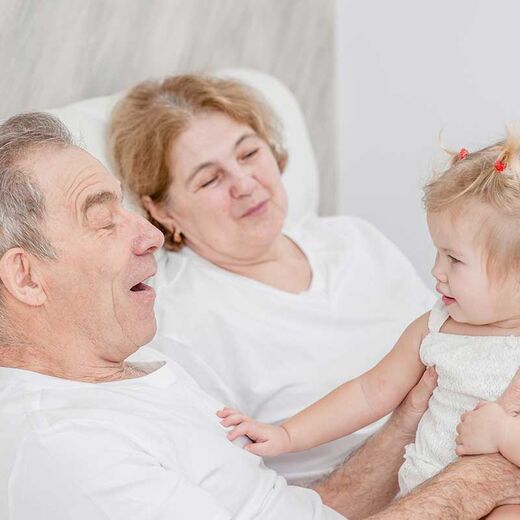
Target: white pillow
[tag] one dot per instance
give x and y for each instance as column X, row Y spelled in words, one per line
column 87, row 120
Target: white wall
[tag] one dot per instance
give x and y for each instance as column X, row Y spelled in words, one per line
column 407, row 69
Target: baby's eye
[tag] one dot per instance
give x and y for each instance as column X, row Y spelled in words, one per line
column 453, row 260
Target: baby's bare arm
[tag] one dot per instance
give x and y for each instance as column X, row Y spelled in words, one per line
column 363, row 400
column 469, row 488
column 367, row 482
column 509, row 443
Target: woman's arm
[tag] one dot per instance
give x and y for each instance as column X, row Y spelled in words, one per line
column 351, row 406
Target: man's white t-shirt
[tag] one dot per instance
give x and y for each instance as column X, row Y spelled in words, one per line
column 149, row 448
column 271, row 353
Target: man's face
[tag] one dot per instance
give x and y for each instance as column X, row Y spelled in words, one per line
column 95, row 288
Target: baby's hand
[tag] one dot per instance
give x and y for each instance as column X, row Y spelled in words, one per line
column 481, row 430
column 267, row 440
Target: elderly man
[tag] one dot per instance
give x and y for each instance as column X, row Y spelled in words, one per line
column 94, row 428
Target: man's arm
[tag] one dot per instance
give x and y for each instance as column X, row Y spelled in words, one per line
column 469, row 488
column 367, row 482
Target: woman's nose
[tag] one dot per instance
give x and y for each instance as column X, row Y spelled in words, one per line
column 242, row 184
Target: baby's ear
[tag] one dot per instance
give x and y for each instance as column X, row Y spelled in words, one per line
column 19, row 274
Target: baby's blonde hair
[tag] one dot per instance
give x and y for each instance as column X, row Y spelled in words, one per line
column 490, row 176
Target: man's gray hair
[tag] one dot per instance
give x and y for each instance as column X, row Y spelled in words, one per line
column 22, row 203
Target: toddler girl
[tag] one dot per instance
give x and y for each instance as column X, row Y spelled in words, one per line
column 471, row 336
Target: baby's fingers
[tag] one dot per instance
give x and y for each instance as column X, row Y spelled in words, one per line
column 262, row 449
column 226, row 411
column 467, row 447
column 244, row 428
column 460, row 450
column 234, row 420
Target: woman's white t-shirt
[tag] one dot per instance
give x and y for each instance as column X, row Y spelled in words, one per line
column 271, row 353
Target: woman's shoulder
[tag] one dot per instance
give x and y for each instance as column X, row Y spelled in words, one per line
column 342, row 229
column 170, row 266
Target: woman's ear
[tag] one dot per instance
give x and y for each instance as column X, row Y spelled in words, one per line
column 159, row 212
column 20, row 277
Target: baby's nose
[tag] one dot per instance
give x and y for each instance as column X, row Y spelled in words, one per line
column 439, row 274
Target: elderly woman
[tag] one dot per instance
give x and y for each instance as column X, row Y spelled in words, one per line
column 266, row 317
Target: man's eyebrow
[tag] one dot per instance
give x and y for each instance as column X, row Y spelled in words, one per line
column 200, row 167
column 101, row 197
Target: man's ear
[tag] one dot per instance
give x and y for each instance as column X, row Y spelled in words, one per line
column 160, row 213
column 20, row 277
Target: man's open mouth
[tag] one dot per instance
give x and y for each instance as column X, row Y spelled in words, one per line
column 138, row 287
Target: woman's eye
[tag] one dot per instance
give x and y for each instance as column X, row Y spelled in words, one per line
column 109, row 226
column 209, row 182
column 250, row 154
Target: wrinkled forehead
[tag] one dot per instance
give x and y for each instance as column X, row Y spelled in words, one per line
column 67, row 176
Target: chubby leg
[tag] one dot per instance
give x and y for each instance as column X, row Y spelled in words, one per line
column 505, row 513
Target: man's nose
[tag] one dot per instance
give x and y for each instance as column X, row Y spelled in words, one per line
column 148, row 240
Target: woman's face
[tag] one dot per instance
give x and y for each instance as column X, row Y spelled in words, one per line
column 226, row 196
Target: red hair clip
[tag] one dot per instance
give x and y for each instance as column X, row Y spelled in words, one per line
column 500, row 166
column 463, row 153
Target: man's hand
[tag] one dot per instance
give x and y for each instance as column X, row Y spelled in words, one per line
column 407, row 415
column 367, row 482
column 267, row 440
column 469, row 488
column 510, row 402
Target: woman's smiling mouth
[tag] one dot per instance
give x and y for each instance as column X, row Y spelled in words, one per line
column 256, row 210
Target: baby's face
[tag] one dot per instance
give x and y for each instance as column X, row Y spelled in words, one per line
column 460, row 269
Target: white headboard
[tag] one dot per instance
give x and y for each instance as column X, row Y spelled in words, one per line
column 54, row 52
column 88, row 119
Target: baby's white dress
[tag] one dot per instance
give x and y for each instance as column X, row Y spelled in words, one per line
column 470, row 369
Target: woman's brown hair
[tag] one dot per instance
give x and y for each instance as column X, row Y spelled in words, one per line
column 147, row 121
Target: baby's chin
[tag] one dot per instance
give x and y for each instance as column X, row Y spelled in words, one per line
column 463, row 319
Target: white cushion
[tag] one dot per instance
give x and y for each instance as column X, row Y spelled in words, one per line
column 87, row 120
